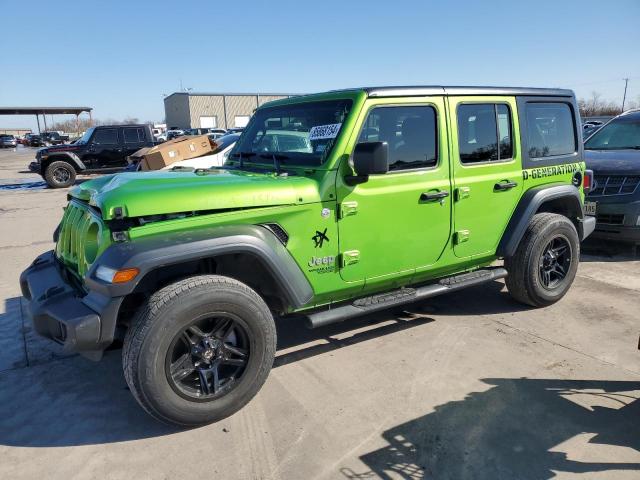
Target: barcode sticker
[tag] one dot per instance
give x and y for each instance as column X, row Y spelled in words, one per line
column 324, row 131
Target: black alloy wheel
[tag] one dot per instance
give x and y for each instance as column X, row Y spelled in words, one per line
column 208, row 358
column 555, row 262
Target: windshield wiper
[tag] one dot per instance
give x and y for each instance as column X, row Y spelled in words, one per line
column 241, row 155
column 277, row 158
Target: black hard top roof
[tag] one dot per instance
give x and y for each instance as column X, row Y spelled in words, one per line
column 417, row 91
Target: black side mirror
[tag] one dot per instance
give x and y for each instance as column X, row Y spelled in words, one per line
column 369, row 158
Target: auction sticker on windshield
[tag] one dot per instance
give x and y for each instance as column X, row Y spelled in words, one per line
column 321, row 132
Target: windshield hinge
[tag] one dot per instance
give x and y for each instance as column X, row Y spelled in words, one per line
column 348, row 208
column 350, row 257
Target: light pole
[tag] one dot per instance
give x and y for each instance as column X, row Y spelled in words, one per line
column 624, row 97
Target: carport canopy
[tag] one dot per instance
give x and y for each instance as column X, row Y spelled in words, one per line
column 45, row 111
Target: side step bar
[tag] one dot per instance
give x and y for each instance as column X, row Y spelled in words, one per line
column 382, row 301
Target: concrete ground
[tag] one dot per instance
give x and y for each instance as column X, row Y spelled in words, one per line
column 469, row 386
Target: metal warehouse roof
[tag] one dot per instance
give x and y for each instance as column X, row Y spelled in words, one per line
column 226, row 94
column 43, row 110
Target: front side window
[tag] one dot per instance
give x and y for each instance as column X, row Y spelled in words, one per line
column 410, row 132
column 299, row 134
column 484, row 133
column 550, row 129
column 620, row 134
column 106, row 136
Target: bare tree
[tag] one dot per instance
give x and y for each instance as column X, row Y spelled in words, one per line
column 595, row 106
column 69, row 126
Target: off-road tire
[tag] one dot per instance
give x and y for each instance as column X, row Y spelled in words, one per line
column 163, row 316
column 524, row 280
column 50, row 174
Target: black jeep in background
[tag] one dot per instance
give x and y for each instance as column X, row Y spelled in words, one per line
column 102, row 149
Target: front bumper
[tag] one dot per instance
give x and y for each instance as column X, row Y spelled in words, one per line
column 61, row 312
column 618, row 221
column 34, row 167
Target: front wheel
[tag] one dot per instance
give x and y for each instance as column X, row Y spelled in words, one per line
column 199, row 350
column 546, row 261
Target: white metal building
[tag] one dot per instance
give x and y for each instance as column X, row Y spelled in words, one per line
column 213, row 110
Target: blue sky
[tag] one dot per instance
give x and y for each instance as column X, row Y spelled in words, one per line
column 121, row 57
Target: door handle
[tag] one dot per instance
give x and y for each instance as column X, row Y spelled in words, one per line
column 429, row 196
column 504, row 185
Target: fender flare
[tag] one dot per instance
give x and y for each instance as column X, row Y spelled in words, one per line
column 71, row 157
column 157, row 251
column 529, row 205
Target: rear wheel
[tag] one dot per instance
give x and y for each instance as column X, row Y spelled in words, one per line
column 199, row 350
column 546, row 261
column 60, row 174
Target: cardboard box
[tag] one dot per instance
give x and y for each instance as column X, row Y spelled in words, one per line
column 176, row 150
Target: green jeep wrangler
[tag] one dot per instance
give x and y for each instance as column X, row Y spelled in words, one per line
column 330, row 206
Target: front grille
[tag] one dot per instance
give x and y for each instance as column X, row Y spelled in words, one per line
column 614, row 185
column 79, row 238
column 610, row 219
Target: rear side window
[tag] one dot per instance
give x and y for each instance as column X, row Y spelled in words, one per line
column 106, row 136
column 484, row 133
column 550, row 130
column 410, row 133
column 133, row 135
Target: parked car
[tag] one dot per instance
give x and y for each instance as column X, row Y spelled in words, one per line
column 8, row 141
column 197, row 131
column 613, row 153
column 34, row 140
column 235, row 130
column 53, row 138
column 216, row 158
column 590, row 130
column 101, row 149
column 171, row 134
column 592, row 123
column 190, row 267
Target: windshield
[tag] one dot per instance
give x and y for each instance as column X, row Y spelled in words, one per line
column 299, row 134
column 87, row 135
column 621, row 133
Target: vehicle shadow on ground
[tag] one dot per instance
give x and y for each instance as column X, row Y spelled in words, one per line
column 513, row 430
column 595, row 250
column 74, row 401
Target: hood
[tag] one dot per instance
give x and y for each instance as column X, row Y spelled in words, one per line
column 615, row 162
column 58, row 148
column 153, row 193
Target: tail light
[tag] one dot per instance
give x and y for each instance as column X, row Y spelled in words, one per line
column 587, row 182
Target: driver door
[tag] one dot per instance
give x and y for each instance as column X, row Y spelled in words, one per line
column 397, row 222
